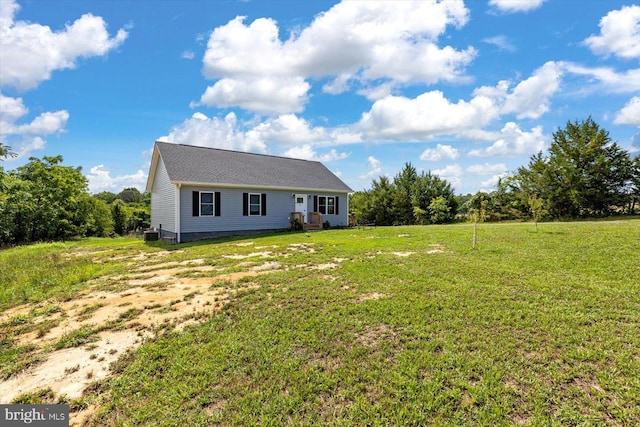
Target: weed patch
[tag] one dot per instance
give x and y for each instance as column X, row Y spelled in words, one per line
column 76, row 338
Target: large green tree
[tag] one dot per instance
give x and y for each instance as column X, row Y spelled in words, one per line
column 427, row 188
column 585, row 172
column 404, row 183
column 408, row 199
column 130, row 195
column 44, row 200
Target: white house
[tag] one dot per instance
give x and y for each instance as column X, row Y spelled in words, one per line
column 198, row 192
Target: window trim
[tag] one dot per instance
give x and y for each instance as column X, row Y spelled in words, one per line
column 213, row 203
column 196, row 203
column 325, row 206
column 259, row 204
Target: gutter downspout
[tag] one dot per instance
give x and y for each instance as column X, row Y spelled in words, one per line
column 177, row 213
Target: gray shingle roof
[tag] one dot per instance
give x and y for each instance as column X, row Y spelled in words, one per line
column 191, row 164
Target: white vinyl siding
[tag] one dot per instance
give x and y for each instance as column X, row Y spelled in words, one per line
column 279, row 205
column 163, row 203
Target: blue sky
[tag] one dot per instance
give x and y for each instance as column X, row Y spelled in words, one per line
column 466, row 90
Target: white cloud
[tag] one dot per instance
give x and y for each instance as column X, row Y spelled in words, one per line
column 441, row 152
column 491, row 183
column 307, row 152
column 338, row 85
column 513, row 142
column 630, row 114
column 290, row 129
column 619, row 34
column 452, row 173
column 512, row 6
column 487, row 169
column 215, row 132
column 263, row 95
column 376, row 92
column 187, row 54
column 363, row 41
column 29, row 52
column 233, row 134
column 609, row 79
column 27, row 145
column 11, row 109
column 431, row 114
column 531, row 97
column 374, row 166
column 45, row 124
column 501, row 42
column 100, row 179
column 428, row 115
column 25, row 138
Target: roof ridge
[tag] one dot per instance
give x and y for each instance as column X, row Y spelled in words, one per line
column 239, row 152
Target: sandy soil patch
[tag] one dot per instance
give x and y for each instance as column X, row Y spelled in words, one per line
column 371, row 296
column 437, row 249
column 321, row 267
column 120, row 318
column 403, row 254
column 264, row 254
column 301, row 247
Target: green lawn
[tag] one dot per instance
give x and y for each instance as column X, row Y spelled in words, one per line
column 399, row 325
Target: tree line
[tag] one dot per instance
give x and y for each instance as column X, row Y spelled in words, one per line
column 584, row 174
column 44, row 200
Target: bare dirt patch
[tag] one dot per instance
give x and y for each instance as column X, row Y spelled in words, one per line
column 371, row 296
column 326, row 266
column 403, row 254
column 119, row 312
column 264, row 254
column 372, row 336
column 437, row 249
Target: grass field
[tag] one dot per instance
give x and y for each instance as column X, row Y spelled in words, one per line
column 393, row 325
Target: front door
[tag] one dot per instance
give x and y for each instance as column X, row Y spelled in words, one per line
column 301, row 205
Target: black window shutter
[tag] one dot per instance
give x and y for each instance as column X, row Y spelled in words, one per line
column 217, row 203
column 315, row 203
column 263, row 200
column 195, row 209
column 245, row 204
column 337, row 204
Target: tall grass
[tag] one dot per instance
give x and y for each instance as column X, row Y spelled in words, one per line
column 30, row 274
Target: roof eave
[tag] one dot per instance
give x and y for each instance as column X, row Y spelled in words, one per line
column 152, row 169
column 261, row 187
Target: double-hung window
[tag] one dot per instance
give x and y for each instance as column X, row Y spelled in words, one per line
column 327, row 205
column 255, row 204
column 206, row 204
column 331, row 205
